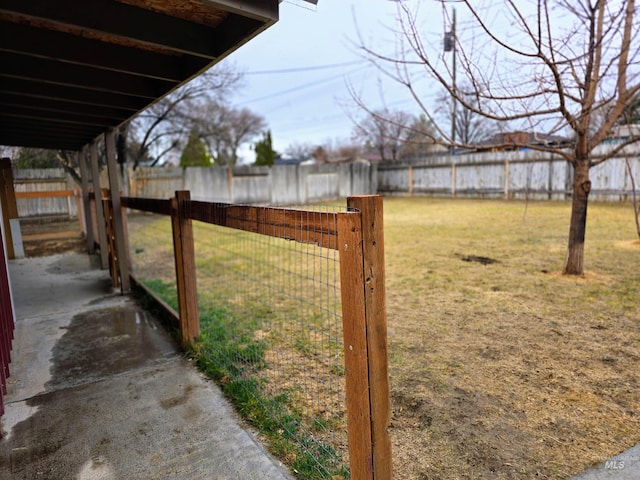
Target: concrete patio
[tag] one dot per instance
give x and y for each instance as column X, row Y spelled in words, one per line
column 99, row 390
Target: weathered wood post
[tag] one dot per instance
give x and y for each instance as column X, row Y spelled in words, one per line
column 112, row 249
column 86, row 203
column 184, row 251
column 122, row 247
column 411, row 180
column 507, row 179
column 362, row 283
column 97, row 194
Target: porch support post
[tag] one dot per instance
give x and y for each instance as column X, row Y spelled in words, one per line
column 122, row 251
column 100, row 219
column 86, row 204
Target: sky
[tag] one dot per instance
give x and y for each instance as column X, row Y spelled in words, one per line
column 297, row 72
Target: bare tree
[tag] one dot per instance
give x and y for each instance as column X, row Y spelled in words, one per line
column 420, row 140
column 336, row 150
column 226, row 128
column 549, row 63
column 385, row 131
column 165, row 125
column 471, row 127
column 299, row 150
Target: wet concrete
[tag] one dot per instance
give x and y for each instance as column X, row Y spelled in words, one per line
column 105, row 342
column 99, row 390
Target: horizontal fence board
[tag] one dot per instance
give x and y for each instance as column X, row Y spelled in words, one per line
column 152, row 205
column 46, row 194
column 300, row 225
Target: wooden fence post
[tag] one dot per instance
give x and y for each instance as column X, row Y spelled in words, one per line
column 112, row 249
column 507, row 179
column 411, row 180
column 184, row 251
column 230, row 182
column 454, row 179
column 97, row 194
column 361, row 246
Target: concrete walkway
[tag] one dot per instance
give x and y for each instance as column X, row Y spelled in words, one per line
column 625, row 466
column 98, row 390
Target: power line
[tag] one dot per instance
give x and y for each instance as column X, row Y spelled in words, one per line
column 300, row 87
column 305, row 69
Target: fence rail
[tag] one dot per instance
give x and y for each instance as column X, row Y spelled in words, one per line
column 356, row 237
column 6, row 321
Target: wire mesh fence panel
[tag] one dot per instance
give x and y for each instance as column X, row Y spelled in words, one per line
column 271, row 331
column 152, row 255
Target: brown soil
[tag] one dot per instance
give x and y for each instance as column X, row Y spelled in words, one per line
column 50, row 236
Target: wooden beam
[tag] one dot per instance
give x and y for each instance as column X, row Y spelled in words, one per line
column 301, row 226
column 8, row 202
column 51, row 113
column 122, row 245
column 100, row 218
column 46, row 194
column 51, row 71
column 371, row 209
column 86, row 204
column 184, row 250
column 48, row 104
column 71, row 94
column 152, row 205
column 72, row 49
column 117, row 20
column 354, row 327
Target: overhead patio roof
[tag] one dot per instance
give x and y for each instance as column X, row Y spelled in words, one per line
column 71, row 69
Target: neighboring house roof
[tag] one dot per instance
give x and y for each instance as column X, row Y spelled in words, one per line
column 288, row 161
column 72, row 69
column 519, row 139
column 625, row 132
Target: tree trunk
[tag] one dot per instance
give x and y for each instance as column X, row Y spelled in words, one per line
column 574, row 263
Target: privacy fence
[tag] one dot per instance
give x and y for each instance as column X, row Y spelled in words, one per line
column 517, row 175
column 49, row 191
column 509, row 175
column 285, row 308
column 277, row 185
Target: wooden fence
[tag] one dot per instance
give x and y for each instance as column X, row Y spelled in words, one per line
column 33, row 192
column 359, row 240
column 508, row 175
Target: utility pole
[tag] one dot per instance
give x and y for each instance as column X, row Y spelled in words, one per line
column 450, row 46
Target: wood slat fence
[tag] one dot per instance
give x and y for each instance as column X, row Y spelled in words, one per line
column 358, row 236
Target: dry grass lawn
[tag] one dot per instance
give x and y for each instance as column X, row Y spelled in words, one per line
column 501, row 368
column 509, row 370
